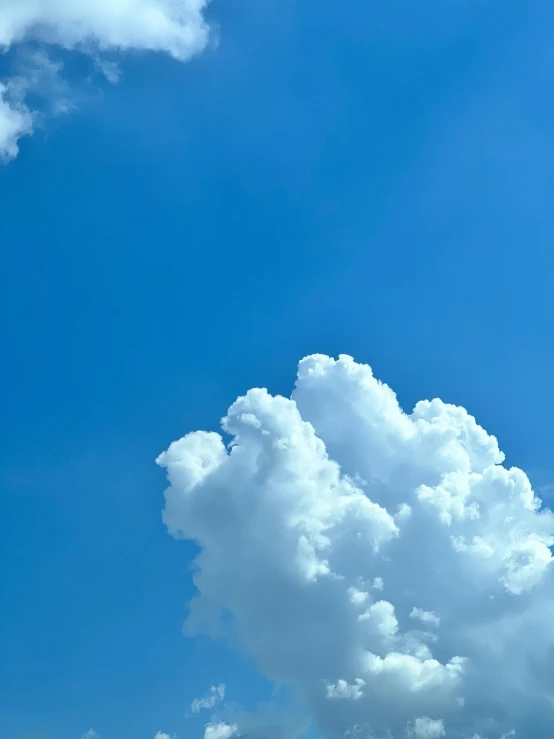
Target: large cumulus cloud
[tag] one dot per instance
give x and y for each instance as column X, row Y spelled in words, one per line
column 386, row 566
column 174, row 27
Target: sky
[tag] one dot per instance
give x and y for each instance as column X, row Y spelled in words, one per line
column 199, row 201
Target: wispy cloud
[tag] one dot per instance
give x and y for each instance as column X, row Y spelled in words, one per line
column 97, row 29
column 215, row 695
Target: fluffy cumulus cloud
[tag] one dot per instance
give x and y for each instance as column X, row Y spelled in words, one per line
column 220, row 730
column 94, row 27
column 386, row 566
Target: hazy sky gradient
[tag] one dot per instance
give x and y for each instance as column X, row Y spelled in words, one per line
column 362, row 178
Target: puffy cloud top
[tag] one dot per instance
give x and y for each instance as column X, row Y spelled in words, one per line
column 385, row 565
column 220, row 731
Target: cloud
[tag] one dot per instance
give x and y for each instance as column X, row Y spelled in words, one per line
column 214, row 696
column 34, row 75
column 90, row 734
column 176, row 27
column 387, row 567
column 94, row 28
column 342, row 689
column 15, row 121
column 220, row 730
column 162, row 735
column 426, row 617
column 426, row 728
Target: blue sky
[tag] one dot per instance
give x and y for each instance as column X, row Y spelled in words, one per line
column 370, row 179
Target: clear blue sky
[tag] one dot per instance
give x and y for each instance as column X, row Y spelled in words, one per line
column 369, row 178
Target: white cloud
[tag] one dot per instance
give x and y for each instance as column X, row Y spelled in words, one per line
column 15, row 121
column 34, row 73
column 324, row 498
column 342, row 689
column 378, row 583
column 162, row 735
column 215, row 695
column 220, row 730
column 426, row 728
column 426, row 617
column 176, row 27
column 109, row 69
column 90, row 734
column 94, row 27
